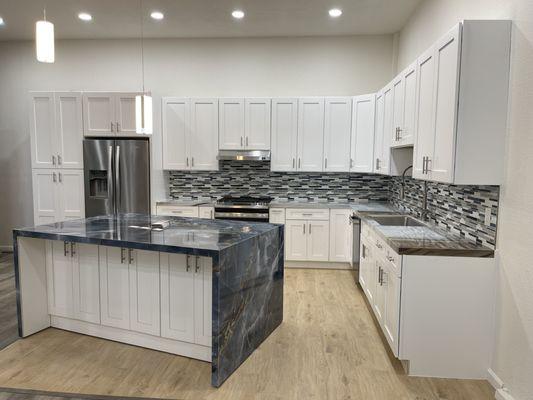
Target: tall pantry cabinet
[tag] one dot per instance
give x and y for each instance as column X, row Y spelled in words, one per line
column 56, row 131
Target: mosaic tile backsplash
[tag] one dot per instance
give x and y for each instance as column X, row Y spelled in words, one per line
column 459, row 209
column 238, row 178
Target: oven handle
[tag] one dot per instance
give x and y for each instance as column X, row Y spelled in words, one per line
column 241, row 215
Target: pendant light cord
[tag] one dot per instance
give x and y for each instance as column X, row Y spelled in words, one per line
column 142, row 43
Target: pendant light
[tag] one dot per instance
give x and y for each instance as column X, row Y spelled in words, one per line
column 143, row 102
column 44, row 40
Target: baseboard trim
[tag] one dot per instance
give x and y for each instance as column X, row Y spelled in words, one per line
column 494, row 379
column 317, row 265
column 503, row 394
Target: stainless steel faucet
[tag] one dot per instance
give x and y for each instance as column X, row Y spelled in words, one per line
column 402, row 190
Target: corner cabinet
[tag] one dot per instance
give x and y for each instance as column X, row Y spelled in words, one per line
column 461, row 107
column 190, row 134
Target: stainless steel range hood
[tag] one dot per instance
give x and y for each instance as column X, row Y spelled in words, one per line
column 244, row 155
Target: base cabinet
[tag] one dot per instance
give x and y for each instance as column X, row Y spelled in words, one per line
column 114, row 285
column 307, row 240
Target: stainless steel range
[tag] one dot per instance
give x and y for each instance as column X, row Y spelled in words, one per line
column 243, row 208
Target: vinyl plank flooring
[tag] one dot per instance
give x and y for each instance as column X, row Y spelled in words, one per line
column 8, row 305
column 328, row 347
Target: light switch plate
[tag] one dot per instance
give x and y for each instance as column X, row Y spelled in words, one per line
column 487, row 216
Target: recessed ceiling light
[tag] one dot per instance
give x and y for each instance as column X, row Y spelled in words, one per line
column 158, row 15
column 335, row 12
column 2, row 21
column 238, row 14
column 85, row 16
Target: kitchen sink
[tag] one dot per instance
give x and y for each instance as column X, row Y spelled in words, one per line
column 396, row 220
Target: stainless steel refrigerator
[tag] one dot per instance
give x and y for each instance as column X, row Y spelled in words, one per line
column 117, row 176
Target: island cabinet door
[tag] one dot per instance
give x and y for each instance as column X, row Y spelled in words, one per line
column 144, row 291
column 114, row 287
column 177, row 297
column 296, row 240
column 86, row 277
column 59, row 278
column 203, row 300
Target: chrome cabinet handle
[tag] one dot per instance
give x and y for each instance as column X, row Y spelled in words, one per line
column 246, row 141
column 59, row 160
column 377, row 164
column 53, row 160
column 428, row 160
column 241, row 142
column 211, row 213
column 187, row 161
column 60, row 177
column 54, row 177
column 424, row 165
column 188, row 267
column 326, row 163
column 130, row 256
column 117, row 194
column 299, row 163
column 310, row 228
column 390, row 258
column 118, row 127
column 72, row 249
column 112, row 127
column 197, row 266
column 65, row 249
column 293, row 163
column 122, row 255
column 192, row 161
column 304, row 228
column 351, row 162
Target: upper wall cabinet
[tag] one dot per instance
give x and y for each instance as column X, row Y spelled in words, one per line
column 384, row 113
column 284, row 134
column 310, row 134
column 190, row 134
column 337, row 132
column 244, row 124
column 404, row 100
column 461, row 108
column 363, row 126
column 56, row 128
column 109, row 114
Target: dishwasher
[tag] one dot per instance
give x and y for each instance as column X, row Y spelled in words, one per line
column 356, row 226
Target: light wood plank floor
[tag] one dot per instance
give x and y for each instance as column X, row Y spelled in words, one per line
column 328, row 347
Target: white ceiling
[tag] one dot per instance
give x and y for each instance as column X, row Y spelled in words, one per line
column 205, row 18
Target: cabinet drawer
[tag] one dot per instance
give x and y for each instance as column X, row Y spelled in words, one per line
column 178, row 211
column 308, row 214
column 277, row 215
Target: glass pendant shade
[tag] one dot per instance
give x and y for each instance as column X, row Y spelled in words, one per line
column 143, row 114
column 44, row 41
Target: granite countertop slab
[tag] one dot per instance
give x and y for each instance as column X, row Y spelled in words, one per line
column 185, row 202
column 194, row 235
column 364, row 206
column 425, row 240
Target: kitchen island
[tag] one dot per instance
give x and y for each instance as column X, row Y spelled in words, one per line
column 205, row 289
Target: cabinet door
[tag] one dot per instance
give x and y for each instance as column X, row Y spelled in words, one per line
column 69, row 126
column 318, row 241
column 363, row 126
column 296, row 240
column 257, row 124
column 176, row 115
column 407, row 133
column 204, row 134
column 45, row 196
column 337, row 134
column 379, row 131
column 59, row 278
column 144, row 291
column 86, row 277
column 44, row 142
column 206, row 212
column 71, row 194
column 340, row 236
column 177, row 297
column 125, row 123
column 310, row 134
column 384, row 162
column 99, row 114
column 114, row 287
column 203, row 278
column 367, row 271
column 398, row 93
column 391, row 317
column 177, row 211
column 380, row 293
column 284, row 134
column 446, row 92
column 231, row 114
column 425, row 115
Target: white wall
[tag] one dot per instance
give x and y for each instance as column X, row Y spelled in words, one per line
column 346, row 65
column 513, row 351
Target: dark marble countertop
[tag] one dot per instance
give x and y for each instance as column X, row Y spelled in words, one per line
column 200, row 236
column 427, row 240
column 186, row 202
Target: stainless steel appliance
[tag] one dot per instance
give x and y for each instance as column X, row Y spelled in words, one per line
column 244, row 208
column 117, row 176
column 356, row 224
column 244, row 155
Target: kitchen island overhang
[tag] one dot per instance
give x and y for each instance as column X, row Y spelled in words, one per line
column 247, row 273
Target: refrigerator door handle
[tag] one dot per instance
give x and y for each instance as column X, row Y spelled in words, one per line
column 110, row 188
column 117, row 180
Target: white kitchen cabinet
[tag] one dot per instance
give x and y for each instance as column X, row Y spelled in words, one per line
column 318, row 241
column 58, row 195
column 384, row 107
column 56, row 130
column 257, row 120
column 86, row 281
column 277, row 216
column 203, row 300
column 391, row 312
column 178, row 211
column 114, row 287
column 367, row 270
column 380, row 295
column 190, row 134
column 337, row 134
column 109, row 114
column 59, row 279
column 403, row 110
column 204, row 134
column 231, row 115
column 296, row 240
column 284, row 134
column 206, row 212
column 144, row 291
column 460, row 139
column 363, row 128
column 310, row 134
column 307, row 235
column 340, row 236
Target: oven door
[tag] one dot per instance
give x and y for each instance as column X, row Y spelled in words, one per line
column 241, row 214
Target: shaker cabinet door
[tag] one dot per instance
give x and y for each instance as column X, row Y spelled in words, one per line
column 125, row 123
column 407, row 132
column 99, row 114
column 203, row 299
column 318, row 241
column 176, row 132
column 204, row 134
column 363, row 125
column 284, row 134
column 71, row 194
column 86, row 277
column 44, row 141
column 69, row 126
column 340, row 236
column 391, row 318
column 231, row 114
column 114, row 287
column 310, row 134
column 296, row 240
column 257, row 124
column 337, row 134
column 45, row 196
column 59, row 278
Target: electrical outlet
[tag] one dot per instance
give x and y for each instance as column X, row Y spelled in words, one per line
column 487, row 215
